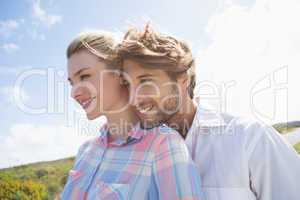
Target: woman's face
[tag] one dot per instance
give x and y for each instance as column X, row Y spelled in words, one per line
column 94, row 86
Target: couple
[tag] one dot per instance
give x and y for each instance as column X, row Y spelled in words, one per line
column 144, row 85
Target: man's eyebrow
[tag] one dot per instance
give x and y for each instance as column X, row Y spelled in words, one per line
column 78, row 72
column 144, row 76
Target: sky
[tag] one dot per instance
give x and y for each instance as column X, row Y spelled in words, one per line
column 247, row 54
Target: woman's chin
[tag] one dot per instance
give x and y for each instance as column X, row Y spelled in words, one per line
column 92, row 116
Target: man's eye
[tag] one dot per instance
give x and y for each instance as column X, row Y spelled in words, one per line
column 145, row 81
column 84, row 76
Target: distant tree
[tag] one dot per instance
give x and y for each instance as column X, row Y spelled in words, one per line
column 40, row 173
column 63, row 180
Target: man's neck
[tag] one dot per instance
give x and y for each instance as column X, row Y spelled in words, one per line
column 183, row 119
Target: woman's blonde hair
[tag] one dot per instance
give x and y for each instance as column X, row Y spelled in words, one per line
column 101, row 44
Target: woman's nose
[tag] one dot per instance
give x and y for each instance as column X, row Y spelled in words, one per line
column 76, row 91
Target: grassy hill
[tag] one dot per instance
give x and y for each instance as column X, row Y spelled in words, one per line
column 45, row 180
column 287, row 126
column 297, row 147
column 50, row 176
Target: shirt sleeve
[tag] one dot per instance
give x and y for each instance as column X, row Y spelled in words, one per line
column 175, row 176
column 274, row 166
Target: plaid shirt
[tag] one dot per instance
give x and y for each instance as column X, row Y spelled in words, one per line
column 150, row 164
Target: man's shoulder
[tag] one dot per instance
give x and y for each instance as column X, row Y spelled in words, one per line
column 224, row 123
column 246, row 127
column 244, row 124
column 232, row 132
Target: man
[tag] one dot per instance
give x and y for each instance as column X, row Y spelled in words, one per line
column 238, row 159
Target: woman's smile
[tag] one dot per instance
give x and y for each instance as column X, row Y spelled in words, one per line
column 86, row 103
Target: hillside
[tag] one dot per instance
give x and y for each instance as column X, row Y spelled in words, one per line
column 45, row 180
column 287, row 126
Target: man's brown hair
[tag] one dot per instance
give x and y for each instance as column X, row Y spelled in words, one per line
column 158, row 51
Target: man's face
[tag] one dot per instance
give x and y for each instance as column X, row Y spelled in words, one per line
column 154, row 95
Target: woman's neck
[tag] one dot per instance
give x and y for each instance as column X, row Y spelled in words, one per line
column 121, row 121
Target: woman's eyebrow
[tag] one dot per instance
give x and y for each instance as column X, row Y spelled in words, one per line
column 78, row 72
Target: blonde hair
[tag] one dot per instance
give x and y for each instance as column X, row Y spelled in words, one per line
column 101, row 44
column 158, row 51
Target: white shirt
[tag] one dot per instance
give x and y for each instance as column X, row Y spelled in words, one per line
column 241, row 159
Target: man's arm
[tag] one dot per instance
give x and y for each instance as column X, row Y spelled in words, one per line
column 274, row 166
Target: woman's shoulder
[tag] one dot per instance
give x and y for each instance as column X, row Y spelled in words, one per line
column 86, row 150
column 169, row 143
column 88, row 144
column 167, row 135
column 165, row 131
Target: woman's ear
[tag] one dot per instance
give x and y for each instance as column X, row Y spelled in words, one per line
column 184, row 81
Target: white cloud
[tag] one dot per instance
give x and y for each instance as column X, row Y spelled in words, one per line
column 9, row 24
column 249, row 44
column 27, row 143
column 8, row 94
column 10, row 47
column 8, row 70
column 14, row 70
column 7, row 27
column 36, row 35
column 42, row 16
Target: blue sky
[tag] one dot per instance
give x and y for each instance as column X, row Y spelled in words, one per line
column 244, row 46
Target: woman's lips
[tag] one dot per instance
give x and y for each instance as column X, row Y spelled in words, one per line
column 87, row 103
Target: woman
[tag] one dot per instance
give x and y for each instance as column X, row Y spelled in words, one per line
column 125, row 161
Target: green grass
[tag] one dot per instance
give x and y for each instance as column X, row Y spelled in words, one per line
column 52, row 175
column 286, row 130
column 283, row 129
column 297, row 147
column 287, row 127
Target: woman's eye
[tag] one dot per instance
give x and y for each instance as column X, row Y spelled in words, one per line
column 84, row 76
column 125, row 82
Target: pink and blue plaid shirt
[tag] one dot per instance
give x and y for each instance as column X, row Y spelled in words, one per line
column 150, row 164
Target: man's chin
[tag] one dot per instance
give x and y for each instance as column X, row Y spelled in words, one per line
column 149, row 124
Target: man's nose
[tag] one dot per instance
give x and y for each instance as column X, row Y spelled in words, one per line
column 135, row 97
